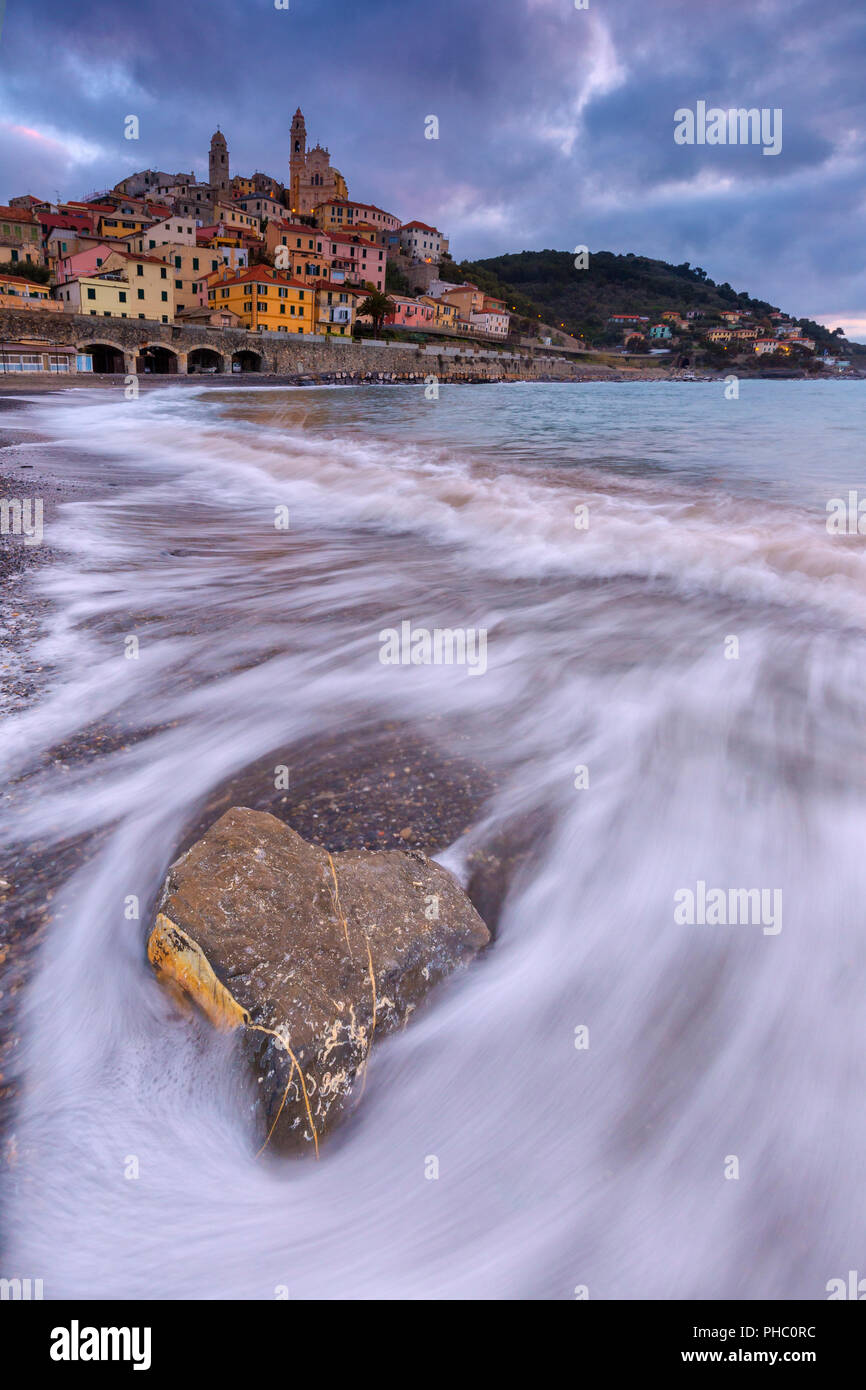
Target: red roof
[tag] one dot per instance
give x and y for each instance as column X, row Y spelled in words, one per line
column 343, row 289
column 16, row 214
column 239, row 274
column 422, row 226
column 22, row 280
column 132, row 256
column 350, row 203
column 91, row 207
column 68, row 224
column 301, row 227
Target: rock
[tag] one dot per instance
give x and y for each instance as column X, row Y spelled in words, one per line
column 314, row 956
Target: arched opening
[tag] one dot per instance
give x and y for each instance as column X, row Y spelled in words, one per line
column 106, row 358
column 246, row 361
column 204, row 360
column 158, row 360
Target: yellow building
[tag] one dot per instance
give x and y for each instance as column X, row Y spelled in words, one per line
column 125, row 287
column 264, row 299
column 188, row 266
column 342, row 215
column 446, row 314
column 235, row 216
column 336, row 306
column 299, row 250
column 16, row 292
column 19, row 236
column 116, row 225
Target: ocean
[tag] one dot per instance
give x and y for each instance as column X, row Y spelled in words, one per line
column 624, row 1100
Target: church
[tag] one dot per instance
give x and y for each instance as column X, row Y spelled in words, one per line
column 312, row 180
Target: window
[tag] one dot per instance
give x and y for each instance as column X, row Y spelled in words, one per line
column 162, row 273
column 122, row 297
column 141, row 294
column 165, row 318
column 139, row 270
column 194, row 262
column 164, row 295
column 91, row 294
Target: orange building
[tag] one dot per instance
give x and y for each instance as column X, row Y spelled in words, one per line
column 263, row 299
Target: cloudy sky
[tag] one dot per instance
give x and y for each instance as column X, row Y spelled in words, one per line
column 555, row 124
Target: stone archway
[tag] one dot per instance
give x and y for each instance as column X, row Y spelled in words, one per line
column 204, row 360
column 156, row 359
column 246, row 361
column 107, row 358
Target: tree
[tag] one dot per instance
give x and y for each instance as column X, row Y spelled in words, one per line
column 377, row 306
column 39, row 274
column 395, row 280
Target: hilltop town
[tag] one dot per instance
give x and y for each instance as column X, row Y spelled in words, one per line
column 252, row 254
column 238, row 252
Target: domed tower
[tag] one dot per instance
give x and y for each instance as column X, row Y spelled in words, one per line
column 218, row 162
column 297, row 157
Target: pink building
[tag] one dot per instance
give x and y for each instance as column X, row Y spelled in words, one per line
column 355, row 258
column 82, row 262
column 411, row 313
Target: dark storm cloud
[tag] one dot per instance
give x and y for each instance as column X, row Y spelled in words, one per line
column 556, row 124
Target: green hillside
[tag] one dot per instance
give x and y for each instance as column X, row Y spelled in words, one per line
column 546, row 285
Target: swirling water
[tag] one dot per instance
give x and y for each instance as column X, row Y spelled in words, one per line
column 608, row 647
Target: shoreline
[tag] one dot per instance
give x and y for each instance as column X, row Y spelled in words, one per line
column 37, row 383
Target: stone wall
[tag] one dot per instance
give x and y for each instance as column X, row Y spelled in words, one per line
column 326, row 359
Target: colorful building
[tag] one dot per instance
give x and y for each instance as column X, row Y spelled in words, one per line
column 341, row 215
column 336, row 306
column 17, row 292
column 446, row 314
column 261, row 207
column 299, row 250
column 20, row 236
column 126, row 287
column 411, row 313
column 422, row 242
column 263, row 299
column 355, row 259
column 188, row 267
column 86, row 262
